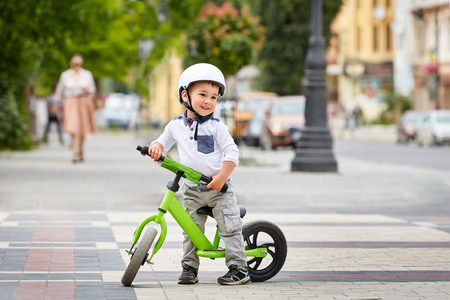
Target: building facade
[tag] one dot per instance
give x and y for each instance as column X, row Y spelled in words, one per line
column 429, row 53
column 360, row 56
column 164, row 103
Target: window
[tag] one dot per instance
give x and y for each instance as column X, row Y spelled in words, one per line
column 375, row 38
column 419, row 37
column 388, row 38
column 358, row 38
column 288, row 108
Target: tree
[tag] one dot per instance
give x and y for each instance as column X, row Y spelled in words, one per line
column 38, row 38
column 224, row 36
column 283, row 53
column 395, row 105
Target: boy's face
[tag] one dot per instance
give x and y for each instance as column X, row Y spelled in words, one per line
column 204, row 97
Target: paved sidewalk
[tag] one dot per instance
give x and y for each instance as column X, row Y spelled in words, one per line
column 64, row 228
column 68, row 255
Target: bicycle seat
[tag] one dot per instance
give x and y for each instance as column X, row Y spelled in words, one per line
column 206, row 210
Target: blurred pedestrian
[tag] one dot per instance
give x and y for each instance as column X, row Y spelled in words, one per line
column 77, row 87
column 53, row 117
column 346, row 116
column 356, row 113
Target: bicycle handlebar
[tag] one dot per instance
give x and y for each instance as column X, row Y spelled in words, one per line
column 175, row 167
column 144, row 152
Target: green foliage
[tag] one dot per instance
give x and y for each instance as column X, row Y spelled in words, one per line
column 283, row 54
column 180, row 16
column 38, row 38
column 224, row 36
column 396, row 105
column 13, row 126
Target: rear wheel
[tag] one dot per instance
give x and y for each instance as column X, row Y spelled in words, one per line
column 436, row 141
column 139, row 256
column 259, row 234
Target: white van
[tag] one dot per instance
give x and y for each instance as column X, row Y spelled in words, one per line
column 122, row 109
column 434, row 128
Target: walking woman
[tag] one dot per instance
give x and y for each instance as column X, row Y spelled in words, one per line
column 76, row 87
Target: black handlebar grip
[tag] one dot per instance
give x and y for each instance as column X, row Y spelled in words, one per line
column 209, row 179
column 143, row 150
column 224, row 188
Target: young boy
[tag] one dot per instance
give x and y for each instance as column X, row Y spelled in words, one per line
column 205, row 145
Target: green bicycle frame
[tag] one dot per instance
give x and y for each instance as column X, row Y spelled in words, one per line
column 171, row 204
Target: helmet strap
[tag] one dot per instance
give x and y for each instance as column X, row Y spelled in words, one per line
column 199, row 117
column 191, row 108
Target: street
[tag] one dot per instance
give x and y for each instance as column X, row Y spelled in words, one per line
column 396, row 179
column 433, row 157
column 377, row 229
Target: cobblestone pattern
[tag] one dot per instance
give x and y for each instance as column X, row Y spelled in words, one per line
column 81, row 255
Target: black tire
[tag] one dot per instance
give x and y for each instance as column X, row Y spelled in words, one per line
column 265, row 234
column 436, row 142
column 139, row 256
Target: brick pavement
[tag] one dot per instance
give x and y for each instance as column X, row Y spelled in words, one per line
column 64, row 228
column 81, row 255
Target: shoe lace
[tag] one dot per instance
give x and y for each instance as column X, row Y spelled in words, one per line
column 188, row 270
column 235, row 270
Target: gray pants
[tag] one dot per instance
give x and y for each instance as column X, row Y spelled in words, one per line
column 226, row 212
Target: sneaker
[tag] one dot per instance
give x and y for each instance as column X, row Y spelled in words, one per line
column 188, row 276
column 236, row 275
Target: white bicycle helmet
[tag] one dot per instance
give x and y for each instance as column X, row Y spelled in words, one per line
column 201, row 72
column 195, row 73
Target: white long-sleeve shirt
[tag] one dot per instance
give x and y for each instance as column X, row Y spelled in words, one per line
column 214, row 144
column 71, row 84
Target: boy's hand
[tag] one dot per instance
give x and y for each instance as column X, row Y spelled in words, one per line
column 217, row 182
column 155, row 151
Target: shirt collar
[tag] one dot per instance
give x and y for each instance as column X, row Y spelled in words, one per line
column 188, row 121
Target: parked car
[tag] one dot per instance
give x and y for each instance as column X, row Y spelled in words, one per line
column 285, row 118
column 244, row 109
column 224, row 112
column 407, row 127
column 253, row 131
column 434, row 128
column 122, row 110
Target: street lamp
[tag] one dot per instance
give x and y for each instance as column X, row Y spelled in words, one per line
column 313, row 152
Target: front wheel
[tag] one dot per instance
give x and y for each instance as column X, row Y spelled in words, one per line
column 259, row 234
column 139, row 256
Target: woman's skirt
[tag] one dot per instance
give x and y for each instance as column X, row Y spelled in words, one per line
column 79, row 115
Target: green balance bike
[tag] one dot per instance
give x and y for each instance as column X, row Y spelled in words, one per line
column 265, row 247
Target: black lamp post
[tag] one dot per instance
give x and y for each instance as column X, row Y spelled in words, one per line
column 313, row 152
